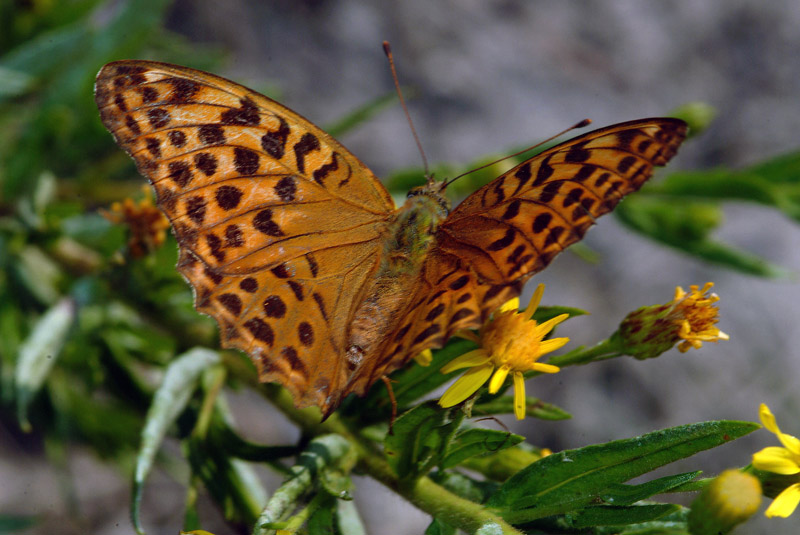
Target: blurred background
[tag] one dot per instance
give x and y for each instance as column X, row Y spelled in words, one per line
column 483, row 78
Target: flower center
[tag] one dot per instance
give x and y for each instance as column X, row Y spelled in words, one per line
column 513, row 341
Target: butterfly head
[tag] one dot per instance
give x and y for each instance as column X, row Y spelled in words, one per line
column 434, row 191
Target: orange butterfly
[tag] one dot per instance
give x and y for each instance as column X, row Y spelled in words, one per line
column 297, row 250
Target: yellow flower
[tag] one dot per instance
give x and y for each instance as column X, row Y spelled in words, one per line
column 688, row 320
column 698, row 317
column 784, row 461
column 511, row 342
column 148, row 225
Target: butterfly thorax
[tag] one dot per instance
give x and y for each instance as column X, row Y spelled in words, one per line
column 408, row 239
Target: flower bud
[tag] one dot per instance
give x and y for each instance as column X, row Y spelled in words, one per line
column 730, row 499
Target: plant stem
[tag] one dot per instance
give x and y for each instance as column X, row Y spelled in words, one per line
column 423, row 492
column 606, row 349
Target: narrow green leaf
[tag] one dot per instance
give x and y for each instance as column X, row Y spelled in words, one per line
column 13, row 83
column 534, row 408
column 619, row 516
column 572, row 479
column 464, row 486
column 629, row 494
column 473, row 442
column 231, row 483
column 13, row 523
column 235, row 446
column 361, row 115
column 40, row 275
column 170, row 399
column 687, row 225
column 321, row 521
column 674, row 523
column 420, row 439
column 39, row 352
column 438, row 527
column 544, row 313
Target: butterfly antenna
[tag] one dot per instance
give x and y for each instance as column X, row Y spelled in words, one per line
column 387, row 49
column 579, row 124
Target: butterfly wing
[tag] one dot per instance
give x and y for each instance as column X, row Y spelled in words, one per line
column 279, row 226
column 514, row 226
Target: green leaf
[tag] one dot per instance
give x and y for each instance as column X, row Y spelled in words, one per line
column 180, row 381
column 438, row 527
column 228, row 441
column 472, row 442
column 629, row 494
column 544, row 313
column 420, row 438
column 361, row 115
column 534, row 408
column 572, row 479
column 231, row 483
column 464, row 486
column 686, row 225
column 321, row 521
column 774, row 182
column 13, row 523
column 38, row 354
column 619, row 516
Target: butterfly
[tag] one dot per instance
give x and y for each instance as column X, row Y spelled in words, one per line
column 296, row 248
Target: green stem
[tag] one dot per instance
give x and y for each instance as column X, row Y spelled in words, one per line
column 607, row 349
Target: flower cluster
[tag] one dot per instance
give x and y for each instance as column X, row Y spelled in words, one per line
column 148, row 226
column 688, row 320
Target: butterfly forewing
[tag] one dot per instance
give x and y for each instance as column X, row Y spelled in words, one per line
column 279, row 225
column 514, row 226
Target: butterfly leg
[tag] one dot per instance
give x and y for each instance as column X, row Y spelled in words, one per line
column 388, row 383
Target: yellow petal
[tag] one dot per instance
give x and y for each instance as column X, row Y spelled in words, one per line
column 512, row 305
column 776, row 460
column 466, row 385
column 424, row 358
column 533, row 304
column 467, row 360
column 545, row 368
column 519, row 395
column 498, row 379
column 548, row 325
column 784, row 503
column 546, row 346
column 767, row 419
column 788, row 441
